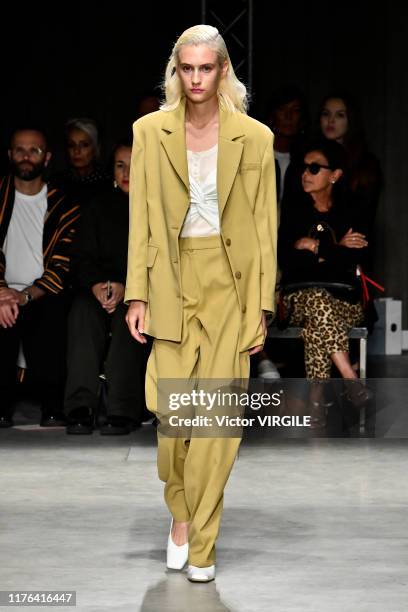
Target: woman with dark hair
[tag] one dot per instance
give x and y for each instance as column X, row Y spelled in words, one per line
column 100, row 264
column 318, row 251
column 340, row 121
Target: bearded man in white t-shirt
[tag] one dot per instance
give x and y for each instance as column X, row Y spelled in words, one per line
column 37, row 225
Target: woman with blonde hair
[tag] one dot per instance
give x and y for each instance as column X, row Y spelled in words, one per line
column 201, row 267
column 84, row 179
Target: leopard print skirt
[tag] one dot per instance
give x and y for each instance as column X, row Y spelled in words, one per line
column 326, row 323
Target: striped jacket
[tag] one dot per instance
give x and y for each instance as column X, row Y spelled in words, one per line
column 59, row 229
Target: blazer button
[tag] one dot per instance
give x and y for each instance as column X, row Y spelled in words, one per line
column 237, row 274
column 228, row 242
column 244, row 309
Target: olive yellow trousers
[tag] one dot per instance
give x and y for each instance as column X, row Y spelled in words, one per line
column 196, row 470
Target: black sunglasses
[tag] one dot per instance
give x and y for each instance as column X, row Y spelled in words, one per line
column 314, row 167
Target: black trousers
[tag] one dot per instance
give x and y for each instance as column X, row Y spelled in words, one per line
column 41, row 329
column 91, row 351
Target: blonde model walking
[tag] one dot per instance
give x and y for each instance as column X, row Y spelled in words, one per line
column 201, row 267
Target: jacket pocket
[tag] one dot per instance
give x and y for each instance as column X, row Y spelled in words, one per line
column 249, row 166
column 151, row 255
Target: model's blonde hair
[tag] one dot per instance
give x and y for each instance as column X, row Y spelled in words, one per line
column 231, row 92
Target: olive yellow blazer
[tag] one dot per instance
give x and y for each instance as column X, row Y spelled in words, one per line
column 159, row 200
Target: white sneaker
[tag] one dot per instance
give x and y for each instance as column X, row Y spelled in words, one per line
column 177, row 556
column 201, row 574
column 267, row 370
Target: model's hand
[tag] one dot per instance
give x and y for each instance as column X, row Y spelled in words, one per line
column 353, row 240
column 307, row 244
column 12, row 296
column 259, row 348
column 117, row 295
column 135, row 319
column 8, row 313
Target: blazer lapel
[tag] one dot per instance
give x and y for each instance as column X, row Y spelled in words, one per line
column 174, row 141
column 229, row 155
column 229, row 151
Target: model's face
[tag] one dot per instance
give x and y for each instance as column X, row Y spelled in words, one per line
column 121, row 168
column 81, row 152
column 333, row 120
column 200, row 72
column 287, row 119
column 323, row 180
column 28, row 155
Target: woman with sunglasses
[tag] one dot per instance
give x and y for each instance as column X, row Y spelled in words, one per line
column 319, row 248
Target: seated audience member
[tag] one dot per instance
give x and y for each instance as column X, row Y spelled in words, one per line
column 288, row 119
column 101, row 263
column 340, row 120
column 84, row 179
column 37, row 225
column 320, row 245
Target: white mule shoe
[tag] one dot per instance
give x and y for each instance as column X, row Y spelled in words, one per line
column 201, row 574
column 177, row 556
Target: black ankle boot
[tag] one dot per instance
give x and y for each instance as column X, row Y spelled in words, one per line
column 116, row 426
column 80, row 421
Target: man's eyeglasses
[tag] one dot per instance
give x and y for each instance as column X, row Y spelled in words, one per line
column 34, row 152
column 314, row 167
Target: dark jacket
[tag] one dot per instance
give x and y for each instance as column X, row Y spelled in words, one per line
column 59, row 229
column 339, row 265
column 100, row 251
column 83, row 190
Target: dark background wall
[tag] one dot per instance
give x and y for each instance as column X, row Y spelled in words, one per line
column 97, row 59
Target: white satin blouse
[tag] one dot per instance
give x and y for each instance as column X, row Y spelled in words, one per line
column 202, row 218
